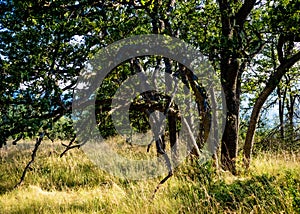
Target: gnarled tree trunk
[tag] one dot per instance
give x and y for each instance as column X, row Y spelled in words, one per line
column 231, row 71
column 229, row 144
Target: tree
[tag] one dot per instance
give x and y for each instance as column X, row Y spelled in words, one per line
column 45, row 45
column 282, row 21
column 238, row 41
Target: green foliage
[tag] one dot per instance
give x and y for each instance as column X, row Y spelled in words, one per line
column 43, row 48
column 293, row 185
column 257, row 191
column 105, row 95
column 61, row 130
column 269, row 140
column 45, row 45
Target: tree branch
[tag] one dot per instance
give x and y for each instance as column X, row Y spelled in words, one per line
column 70, row 146
column 244, row 11
column 33, row 155
column 279, row 48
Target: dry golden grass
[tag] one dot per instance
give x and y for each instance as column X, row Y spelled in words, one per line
column 72, row 184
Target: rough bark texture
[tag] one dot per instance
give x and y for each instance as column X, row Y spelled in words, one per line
column 231, row 71
column 229, row 144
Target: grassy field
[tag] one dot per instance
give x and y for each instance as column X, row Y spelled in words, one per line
column 72, row 184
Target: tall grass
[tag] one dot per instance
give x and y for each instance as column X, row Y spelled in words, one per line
column 72, row 184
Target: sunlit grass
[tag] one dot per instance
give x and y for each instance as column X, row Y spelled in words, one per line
column 275, row 164
column 73, row 184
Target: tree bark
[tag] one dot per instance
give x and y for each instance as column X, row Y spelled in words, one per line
column 229, row 144
column 173, row 139
column 215, row 128
column 281, row 101
column 290, row 108
column 231, row 71
column 272, row 83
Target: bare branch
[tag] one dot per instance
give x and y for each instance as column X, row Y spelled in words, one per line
column 192, row 137
column 161, row 183
column 33, row 155
column 70, row 146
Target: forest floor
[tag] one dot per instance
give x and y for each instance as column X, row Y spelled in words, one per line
column 73, row 184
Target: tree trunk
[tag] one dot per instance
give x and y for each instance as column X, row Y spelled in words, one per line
column 231, row 70
column 231, row 83
column 215, row 128
column 290, row 108
column 281, row 112
column 229, row 145
column 173, row 139
column 272, row 83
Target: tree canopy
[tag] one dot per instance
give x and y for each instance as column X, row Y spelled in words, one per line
column 44, row 45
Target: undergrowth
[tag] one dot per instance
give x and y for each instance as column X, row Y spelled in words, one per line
column 73, row 184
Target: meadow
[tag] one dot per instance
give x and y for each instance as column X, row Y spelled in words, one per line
column 73, row 184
